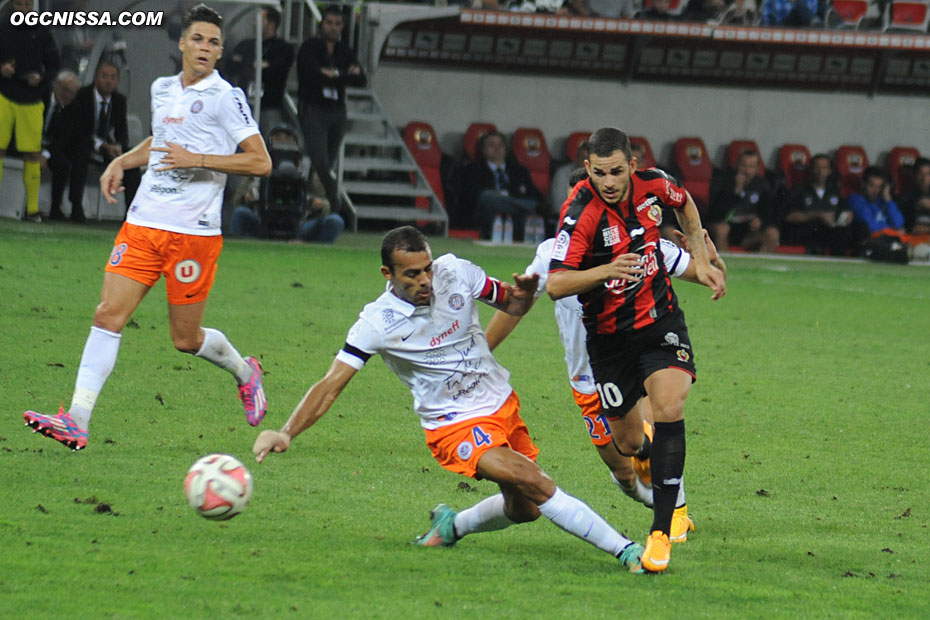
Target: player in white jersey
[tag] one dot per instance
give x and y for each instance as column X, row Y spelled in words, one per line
column 173, row 225
column 568, row 315
column 426, row 328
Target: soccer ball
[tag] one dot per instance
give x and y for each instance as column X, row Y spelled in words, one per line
column 218, row 486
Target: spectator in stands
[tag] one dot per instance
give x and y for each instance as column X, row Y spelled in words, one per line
column 612, row 8
column 575, row 8
column 874, row 210
column 741, row 210
column 915, row 204
column 99, row 133
column 325, row 66
column 277, row 58
column 658, row 10
column 28, row 65
column 56, row 134
column 560, row 180
column 496, row 184
column 793, row 13
column 704, row 11
column 75, row 42
column 816, row 216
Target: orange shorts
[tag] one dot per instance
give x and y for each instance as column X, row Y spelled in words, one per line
column 594, row 418
column 459, row 447
column 188, row 261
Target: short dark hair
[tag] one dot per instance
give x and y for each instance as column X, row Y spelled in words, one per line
column 920, row 162
column 479, row 147
column 333, row 9
column 577, row 176
column 405, row 239
column 106, row 63
column 748, row 153
column 810, row 164
column 873, row 172
column 273, row 15
column 202, row 13
column 606, row 140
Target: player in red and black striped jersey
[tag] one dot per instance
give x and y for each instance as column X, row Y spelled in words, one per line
column 607, row 252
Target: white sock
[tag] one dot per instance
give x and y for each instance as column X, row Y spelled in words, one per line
column 97, row 362
column 576, row 517
column 217, row 349
column 639, row 492
column 485, row 516
column 682, row 500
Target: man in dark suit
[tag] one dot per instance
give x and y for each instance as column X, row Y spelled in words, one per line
column 99, row 133
column 55, row 134
column 496, row 184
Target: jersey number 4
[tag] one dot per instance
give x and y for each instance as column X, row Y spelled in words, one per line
column 481, row 438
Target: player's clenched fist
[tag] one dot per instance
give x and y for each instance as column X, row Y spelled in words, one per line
column 270, row 441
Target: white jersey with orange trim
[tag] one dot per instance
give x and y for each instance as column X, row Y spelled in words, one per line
column 438, row 351
column 568, row 310
column 209, row 117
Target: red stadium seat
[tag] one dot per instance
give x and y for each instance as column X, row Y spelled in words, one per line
column 900, row 166
column 738, row 146
column 847, row 13
column 907, row 15
column 649, row 160
column 696, row 169
column 850, row 162
column 529, row 147
column 472, row 135
column 421, row 142
column 792, row 162
column 573, row 141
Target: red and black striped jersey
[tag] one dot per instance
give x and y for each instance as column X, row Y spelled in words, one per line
column 593, row 233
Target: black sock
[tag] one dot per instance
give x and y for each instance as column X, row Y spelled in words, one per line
column 667, row 464
column 646, row 449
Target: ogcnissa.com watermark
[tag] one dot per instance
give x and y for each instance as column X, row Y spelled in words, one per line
column 87, row 18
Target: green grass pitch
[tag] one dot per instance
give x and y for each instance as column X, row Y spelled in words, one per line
column 807, row 465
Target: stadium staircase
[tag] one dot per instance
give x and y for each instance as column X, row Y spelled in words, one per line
column 378, row 178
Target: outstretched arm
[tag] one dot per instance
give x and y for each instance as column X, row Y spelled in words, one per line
column 516, row 298
column 707, row 274
column 715, row 259
column 111, row 181
column 311, row 408
column 499, row 327
column 568, row 282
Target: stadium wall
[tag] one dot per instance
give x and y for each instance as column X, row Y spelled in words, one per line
column 451, row 99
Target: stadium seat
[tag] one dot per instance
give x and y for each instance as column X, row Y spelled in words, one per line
column 690, row 155
column 649, row 160
column 573, row 141
column 738, row 146
column 911, row 15
column 792, row 163
column 675, row 7
column 529, row 147
column 849, row 13
column 421, row 142
column 472, row 135
column 850, row 162
column 900, row 166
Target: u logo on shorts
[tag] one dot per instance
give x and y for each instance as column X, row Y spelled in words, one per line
column 187, row 271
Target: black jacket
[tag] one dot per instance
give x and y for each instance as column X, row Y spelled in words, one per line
column 313, row 85
column 477, row 177
column 82, row 114
column 34, row 50
column 240, row 69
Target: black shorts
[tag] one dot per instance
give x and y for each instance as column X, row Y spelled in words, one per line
column 622, row 362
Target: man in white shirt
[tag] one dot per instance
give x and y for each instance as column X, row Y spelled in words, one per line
column 426, row 327
column 173, row 225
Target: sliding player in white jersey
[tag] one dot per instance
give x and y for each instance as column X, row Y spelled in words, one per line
column 625, row 472
column 427, row 330
column 172, row 227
